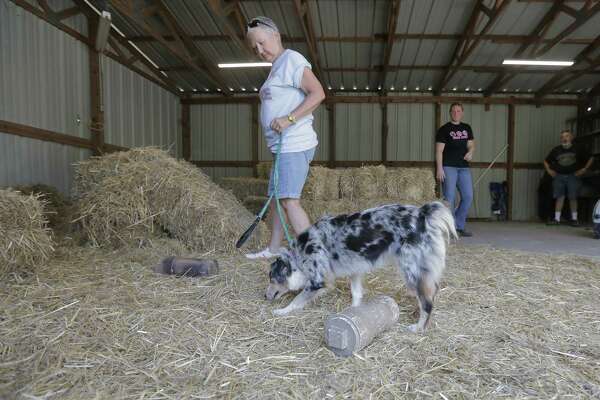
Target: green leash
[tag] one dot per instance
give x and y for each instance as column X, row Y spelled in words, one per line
column 275, row 195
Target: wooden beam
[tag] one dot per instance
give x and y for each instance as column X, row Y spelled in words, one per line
column 399, row 99
column 582, row 64
column 503, row 78
column 384, row 132
column 186, row 132
column 44, row 135
column 583, row 16
column 393, row 15
column 331, row 162
column 128, row 10
column 255, row 136
column 382, row 37
column 232, row 21
column 97, row 113
column 510, row 160
column 67, row 13
column 302, row 8
column 465, row 46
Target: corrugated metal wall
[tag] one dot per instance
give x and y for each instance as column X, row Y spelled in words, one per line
column 358, row 132
column 537, row 130
column 222, row 132
column 411, row 132
column 43, row 83
column 137, row 112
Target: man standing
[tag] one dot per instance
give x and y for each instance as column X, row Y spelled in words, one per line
column 454, row 149
column 565, row 164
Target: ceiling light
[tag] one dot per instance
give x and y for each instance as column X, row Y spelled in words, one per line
column 218, row 89
column 539, row 63
column 341, row 88
column 354, row 87
column 244, row 65
column 529, row 90
column 180, row 89
column 429, row 88
column 454, row 88
column 366, row 88
column 329, row 87
column 206, row 89
column 504, row 90
column 392, row 88
column 243, row 89
column 417, row 88
column 517, row 89
column 231, row 89
column 404, row 88
column 256, row 89
column 195, row 90
column 467, row 89
column 378, row 87
column 479, row 90
column 589, row 109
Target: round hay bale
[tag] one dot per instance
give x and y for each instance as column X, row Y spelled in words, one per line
column 25, row 239
column 412, row 184
column 255, row 204
column 242, row 186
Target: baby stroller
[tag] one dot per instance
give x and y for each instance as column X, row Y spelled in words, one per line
column 596, row 220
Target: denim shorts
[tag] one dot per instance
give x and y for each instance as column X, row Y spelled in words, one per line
column 293, row 170
column 565, row 185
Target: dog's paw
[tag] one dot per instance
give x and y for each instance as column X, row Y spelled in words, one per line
column 279, row 312
column 414, row 328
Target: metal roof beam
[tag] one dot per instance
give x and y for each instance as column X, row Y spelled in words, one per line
column 466, row 45
column 232, row 21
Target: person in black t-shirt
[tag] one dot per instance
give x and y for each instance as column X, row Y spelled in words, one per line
column 454, row 149
column 565, row 164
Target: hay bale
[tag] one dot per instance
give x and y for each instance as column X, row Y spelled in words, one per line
column 255, row 204
column 242, row 186
column 412, row 184
column 322, row 184
column 56, row 206
column 315, row 209
column 263, row 170
column 131, row 197
column 25, row 239
column 362, row 183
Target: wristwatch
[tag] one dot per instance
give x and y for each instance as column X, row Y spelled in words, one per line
column 291, row 118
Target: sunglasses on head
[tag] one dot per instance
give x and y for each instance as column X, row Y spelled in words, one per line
column 255, row 22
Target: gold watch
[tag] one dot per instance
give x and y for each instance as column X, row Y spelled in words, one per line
column 291, row 118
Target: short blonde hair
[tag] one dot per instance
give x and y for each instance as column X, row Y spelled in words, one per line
column 263, row 23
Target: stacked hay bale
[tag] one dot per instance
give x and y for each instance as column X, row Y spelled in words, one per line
column 136, row 196
column 25, row 239
column 366, row 187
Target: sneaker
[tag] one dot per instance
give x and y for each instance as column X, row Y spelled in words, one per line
column 463, row 233
column 553, row 222
column 574, row 222
column 266, row 253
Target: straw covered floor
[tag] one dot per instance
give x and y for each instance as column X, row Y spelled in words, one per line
column 93, row 323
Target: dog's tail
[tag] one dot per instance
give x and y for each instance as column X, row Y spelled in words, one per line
column 439, row 218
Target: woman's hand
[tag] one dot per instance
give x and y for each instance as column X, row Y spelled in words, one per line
column 440, row 175
column 279, row 124
column 468, row 156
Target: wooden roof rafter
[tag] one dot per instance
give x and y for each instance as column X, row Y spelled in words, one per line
column 233, row 22
column 582, row 16
column 582, row 64
column 303, row 12
column 466, row 45
column 147, row 17
column 392, row 23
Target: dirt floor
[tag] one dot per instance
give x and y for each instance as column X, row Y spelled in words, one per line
column 102, row 325
column 537, row 237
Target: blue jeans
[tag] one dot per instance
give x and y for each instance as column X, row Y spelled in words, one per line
column 461, row 178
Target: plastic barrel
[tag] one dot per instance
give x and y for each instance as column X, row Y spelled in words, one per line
column 354, row 328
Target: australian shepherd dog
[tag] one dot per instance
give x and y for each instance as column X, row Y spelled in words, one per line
column 414, row 239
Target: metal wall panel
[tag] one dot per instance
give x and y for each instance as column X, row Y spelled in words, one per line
column 137, row 112
column 221, row 132
column 411, row 132
column 525, row 201
column 25, row 161
column 43, row 74
column 537, row 130
column 490, row 129
column 358, row 131
column 482, row 201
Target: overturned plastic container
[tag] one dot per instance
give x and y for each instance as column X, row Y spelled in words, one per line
column 352, row 329
column 181, row 266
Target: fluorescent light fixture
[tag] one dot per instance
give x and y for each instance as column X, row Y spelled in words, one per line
column 354, row 87
column 366, row 88
column 244, row 65
column 341, row 88
column 417, row 88
column 404, row 88
column 538, row 63
column 589, row 109
column 429, row 88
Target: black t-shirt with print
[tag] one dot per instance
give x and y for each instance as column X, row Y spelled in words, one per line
column 455, row 137
column 567, row 161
